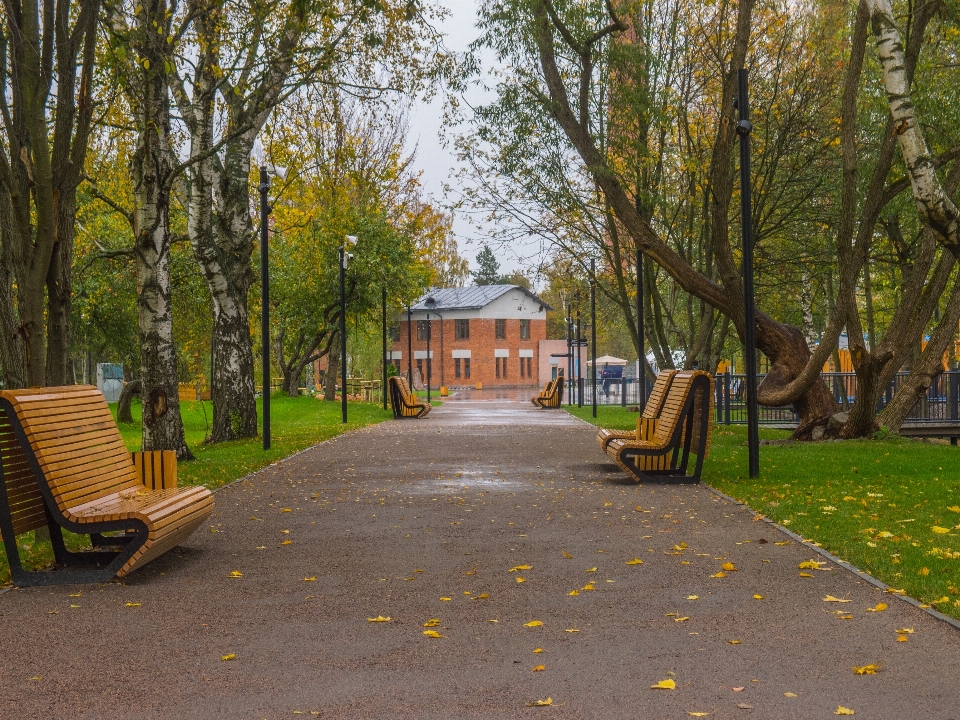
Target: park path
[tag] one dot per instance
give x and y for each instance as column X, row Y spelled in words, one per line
column 414, row 520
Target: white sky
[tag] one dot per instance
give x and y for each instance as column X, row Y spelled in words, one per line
column 437, row 162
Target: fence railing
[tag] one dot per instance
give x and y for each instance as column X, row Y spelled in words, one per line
column 939, row 404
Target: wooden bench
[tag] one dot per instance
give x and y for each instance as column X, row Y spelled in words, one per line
column 552, row 395
column 683, row 427
column 65, row 466
column 647, row 422
column 404, row 403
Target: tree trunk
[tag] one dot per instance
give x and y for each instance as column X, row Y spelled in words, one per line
column 124, row 412
column 152, row 169
column 333, row 370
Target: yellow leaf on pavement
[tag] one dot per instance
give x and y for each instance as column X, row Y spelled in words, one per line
column 432, row 622
column 733, row 642
column 693, row 597
column 831, row 598
column 571, row 630
column 902, row 638
column 681, row 619
column 758, row 597
column 133, row 604
column 231, row 656
column 805, row 575
column 729, row 566
column 540, row 703
column 235, row 574
column 593, row 569
column 667, row 684
column 879, row 607
column 811, row 565
column 379, row 618
column 520, row 579
column 310, row 579
column 635, row 561
column 870, row 669
column 697, row 714
column 538, row 668
column 841, row 710
column 720, row 574
column 905, row 631
column 432, row 634
column 589, row 586
column 782, row 542
column 789, row 694
column 573, row 593
column 538, row 650
column 534, row 623
column 446, row 599
column 286, row 510
column 481, row 596
column 567, row 555
column 520, row 567
column 287, row 542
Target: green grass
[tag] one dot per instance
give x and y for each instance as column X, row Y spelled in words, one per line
column 874, row 503
column 296, row 424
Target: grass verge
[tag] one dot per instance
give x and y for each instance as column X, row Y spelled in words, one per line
column 890, row 507
column 296, row 424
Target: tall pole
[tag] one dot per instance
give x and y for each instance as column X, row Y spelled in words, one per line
column 569, row 379
column 593, row 332
column 383, row 383
column 429, row 333
column 343, row 334
column 749, row 315
column 265, row 301
column 409, row 348
column 579, row 364
column 641, row 336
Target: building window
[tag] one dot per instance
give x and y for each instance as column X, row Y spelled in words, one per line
column 529, row 367
column 525, row 367
column 395, row 332
column 462, row 329
column 456, row 367
column 501, row 329
column 524, row 329
column 466, row 368
column 501, row 367
column 423, row 327
column 521, row 367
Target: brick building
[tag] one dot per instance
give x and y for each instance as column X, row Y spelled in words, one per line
column 486, row 334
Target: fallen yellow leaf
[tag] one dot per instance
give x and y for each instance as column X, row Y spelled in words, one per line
column 235, row 574
column 870, row 669
column 310, row 579
column 567, row 555
column 286, row 510
column 432, row 622
column 905, row 631
column 811, row 565
column 446, row 599
column 538, row 668
column 571, row 630
column 635, row 561
column 954, row 508
column 593, row 569
column 803, row 574
column 733, row 642
column 520, row 567
column 589, row 586
column 231, row 656
column 534, row 623
column 697, row 714
column 902, row 638
column 520, row 579
column 720, row 574
column 541, row 703
column 758, row 597
column 573, row 593
column 879, row 607
column 681, row 619
column 789, row 694
column 782, row 542
column 693, row 597
column 432, row 634
column 538, row 650
column 80, row 594
column 287, row 542
column 481, row 596
column 831, row 598
column 667, row 684
column 841, row 710
column 729, row 566
column 940, row 530
column 379, row 618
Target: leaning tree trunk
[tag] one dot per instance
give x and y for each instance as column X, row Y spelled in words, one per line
column 152, row 166
column 125, row 402
column 333, row 370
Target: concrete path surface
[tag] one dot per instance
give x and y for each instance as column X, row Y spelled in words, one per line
column 476, row 524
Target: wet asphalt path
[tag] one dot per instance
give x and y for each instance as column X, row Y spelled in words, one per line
column 421, row 520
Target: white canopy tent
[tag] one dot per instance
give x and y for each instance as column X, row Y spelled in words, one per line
column 608, row 360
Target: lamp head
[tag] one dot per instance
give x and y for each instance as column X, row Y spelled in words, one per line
column 280, row 172
column 351, row 239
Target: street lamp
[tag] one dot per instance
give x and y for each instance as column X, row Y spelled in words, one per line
column 345, row 257
column 265, row 209
column 593, row 333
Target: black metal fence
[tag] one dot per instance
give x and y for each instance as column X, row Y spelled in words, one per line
column 939, row 404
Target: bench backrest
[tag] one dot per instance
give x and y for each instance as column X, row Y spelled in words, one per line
column 76, row 442
column 675, row 402
column 23, row 496
column 659, row 393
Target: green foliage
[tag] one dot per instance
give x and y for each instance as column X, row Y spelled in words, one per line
column 489, row 272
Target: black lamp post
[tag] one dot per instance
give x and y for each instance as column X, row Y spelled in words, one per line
column 265, row 300
column 345, row 257
column 383, row 384
column 642, row 355
column 593, row 333
column 409, row 348
column 749, row 315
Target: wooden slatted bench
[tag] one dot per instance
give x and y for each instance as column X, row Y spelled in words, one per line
column 647, row 422
column 64, row 466
column 683, row 427
column 404, row 403
column 552, row 395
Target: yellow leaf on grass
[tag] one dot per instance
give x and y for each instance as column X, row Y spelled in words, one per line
column 733, row 642
column 534, row 623
column 432, row 634
column 923, row 571
column 567, row 555
column 538, row 668
column 379, row 618
column 954, row 508
column 231, row 656
column 841, row 710
column 310, row 579
column 811, row 565
column 806, row 574
column 520, row 567
column 693, row 597
column 573, row 593
column 831, row 598
column 133, row 604
column 635, row 561
column 729, row 566
column 432, row 622
column 720, row 574
column 879, row 607
column 667, row 684
column 235, row 574
column 758, row 597
column 940, row 530
column 870, row 669
column 540, row 703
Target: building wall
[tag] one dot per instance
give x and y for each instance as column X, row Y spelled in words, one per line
column 483, row 348
column 548, row 365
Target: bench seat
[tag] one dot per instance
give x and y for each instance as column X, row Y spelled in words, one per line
column 404, row 403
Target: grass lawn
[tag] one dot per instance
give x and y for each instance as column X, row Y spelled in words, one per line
column 295, row 424
column 890, row 507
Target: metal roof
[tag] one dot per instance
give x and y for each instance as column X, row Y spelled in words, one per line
column 468, row 298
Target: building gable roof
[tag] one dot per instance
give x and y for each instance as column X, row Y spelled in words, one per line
column 468, row 298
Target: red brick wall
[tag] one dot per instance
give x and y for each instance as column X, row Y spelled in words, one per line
column 482, row 343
